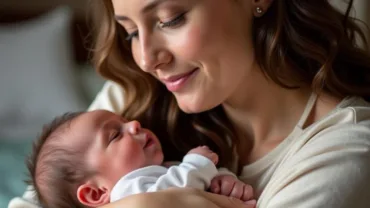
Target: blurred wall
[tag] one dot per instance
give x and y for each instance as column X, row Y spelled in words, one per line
column 361, row 10
column 12, row 11
column 37, row 6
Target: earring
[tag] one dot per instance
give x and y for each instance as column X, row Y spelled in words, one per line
column 259, row 10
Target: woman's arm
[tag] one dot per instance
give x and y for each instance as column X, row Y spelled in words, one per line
column 179, row 198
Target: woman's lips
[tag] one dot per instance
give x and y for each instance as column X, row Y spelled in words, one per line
column 175, row 83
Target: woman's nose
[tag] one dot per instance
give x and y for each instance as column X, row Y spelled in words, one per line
column 153, row 54
column 133, row 127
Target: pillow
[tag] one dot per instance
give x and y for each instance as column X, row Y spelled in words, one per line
column 37, row 78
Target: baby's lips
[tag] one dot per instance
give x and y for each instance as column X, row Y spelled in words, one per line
column 143, row 138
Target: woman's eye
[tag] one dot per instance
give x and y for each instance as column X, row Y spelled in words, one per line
column 174, row 22
column 132, row 36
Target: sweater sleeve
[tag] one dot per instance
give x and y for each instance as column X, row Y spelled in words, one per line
column 195, row 171
column 111, row 98
column 331, row 170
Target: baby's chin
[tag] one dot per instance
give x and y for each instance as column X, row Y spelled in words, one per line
column 168, row 164
column 157, row 159
column 160, row 159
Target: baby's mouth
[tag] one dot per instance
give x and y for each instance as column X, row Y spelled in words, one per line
column 148, row 141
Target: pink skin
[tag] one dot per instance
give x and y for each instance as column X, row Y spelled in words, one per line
column 113, row 147
column 126, row 146
column 230, row 186
column 226, row 185
column 206, row 152
column 210, row 48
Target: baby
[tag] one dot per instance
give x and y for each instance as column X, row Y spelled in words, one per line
column 90, row 159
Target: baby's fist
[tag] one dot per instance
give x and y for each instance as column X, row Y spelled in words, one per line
column 228, row 185
column 206, row 152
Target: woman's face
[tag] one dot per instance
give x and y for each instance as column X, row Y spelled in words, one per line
column 200, row 49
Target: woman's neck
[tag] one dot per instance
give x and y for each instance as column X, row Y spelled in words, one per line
column 267, row 114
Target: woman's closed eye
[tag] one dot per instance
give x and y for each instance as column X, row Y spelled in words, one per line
column 175, row 22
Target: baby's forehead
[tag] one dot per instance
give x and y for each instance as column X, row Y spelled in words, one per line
column 83, row 129
column 98, row 117
column 63, row 134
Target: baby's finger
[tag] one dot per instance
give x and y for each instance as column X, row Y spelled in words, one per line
column 213, row 157
column 227, row 187
column 248, row 193
column 215, row 186
column 237, row 190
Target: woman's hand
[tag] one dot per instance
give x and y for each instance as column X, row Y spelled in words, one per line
column 180, row 198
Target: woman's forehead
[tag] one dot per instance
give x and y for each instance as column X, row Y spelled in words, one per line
column 127, row 7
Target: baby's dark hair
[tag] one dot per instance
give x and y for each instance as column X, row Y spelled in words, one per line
column 55, row 172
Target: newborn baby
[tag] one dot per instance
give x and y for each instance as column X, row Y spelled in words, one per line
column 90, row 159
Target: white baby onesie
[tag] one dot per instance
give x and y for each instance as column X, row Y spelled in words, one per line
column 195, row 171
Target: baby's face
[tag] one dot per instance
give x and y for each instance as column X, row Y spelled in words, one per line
column 113, row 145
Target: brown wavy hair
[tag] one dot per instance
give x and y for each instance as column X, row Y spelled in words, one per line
column 298, row 43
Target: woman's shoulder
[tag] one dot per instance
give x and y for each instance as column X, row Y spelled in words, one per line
column 356, row 106
column 330, row 154
column 351, row 114
column 345, row 129
column 111, row 97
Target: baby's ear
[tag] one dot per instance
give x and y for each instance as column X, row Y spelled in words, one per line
column 92, row 196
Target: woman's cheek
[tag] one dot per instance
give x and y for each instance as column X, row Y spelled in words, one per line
column 136, row 53
column 190, row 44
column 187, row 44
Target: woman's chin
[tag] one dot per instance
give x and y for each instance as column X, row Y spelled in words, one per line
column 194, row 107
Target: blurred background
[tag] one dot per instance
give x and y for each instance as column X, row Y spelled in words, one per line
column 45, row 71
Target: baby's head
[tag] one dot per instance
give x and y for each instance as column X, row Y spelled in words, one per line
column 79, row 157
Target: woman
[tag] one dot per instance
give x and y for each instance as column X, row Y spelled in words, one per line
column 277, row 80
column 276, row 88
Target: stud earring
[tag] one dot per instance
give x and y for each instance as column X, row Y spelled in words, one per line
column 259, row 10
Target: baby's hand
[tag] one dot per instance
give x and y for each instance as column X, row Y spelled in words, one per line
column 228, row 185
column 206, row 152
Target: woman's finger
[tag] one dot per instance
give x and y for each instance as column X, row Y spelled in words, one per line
column 227, row 202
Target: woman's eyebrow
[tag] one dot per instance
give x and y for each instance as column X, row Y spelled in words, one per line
column 147, row 8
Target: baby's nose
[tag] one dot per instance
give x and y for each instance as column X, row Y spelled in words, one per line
column 133, row 127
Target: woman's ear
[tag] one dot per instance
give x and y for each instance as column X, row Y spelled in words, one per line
column 92, row 196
